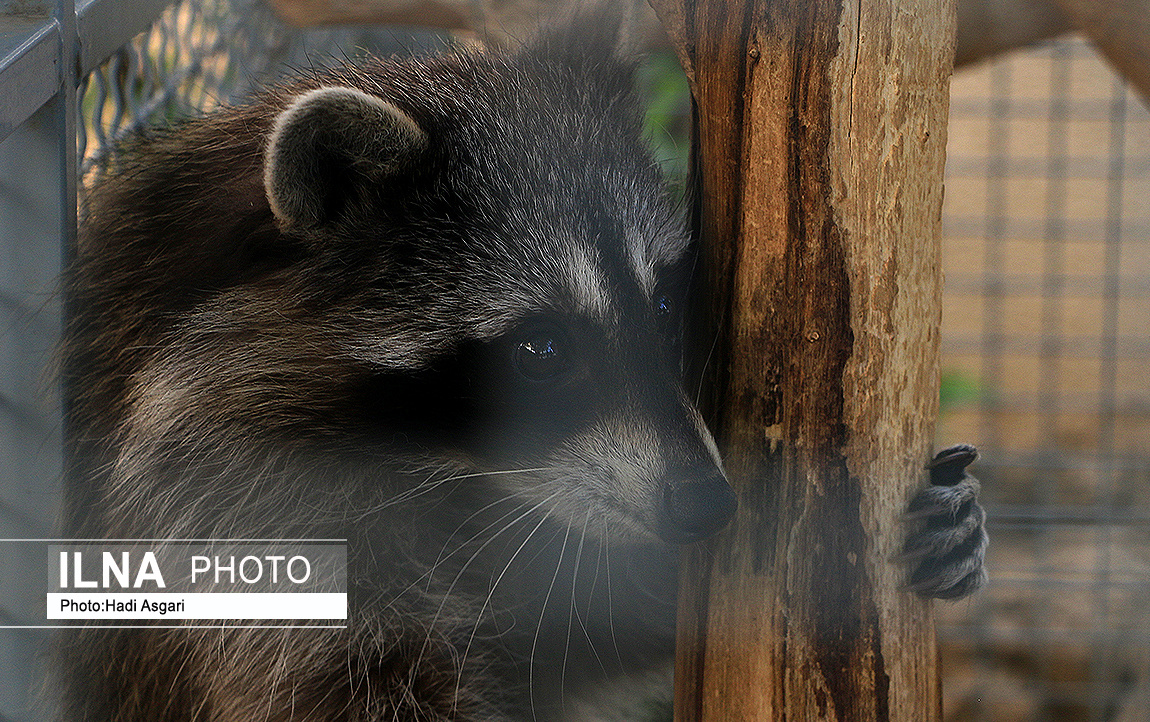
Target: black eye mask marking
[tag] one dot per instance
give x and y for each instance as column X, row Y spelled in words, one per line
column 517, row 395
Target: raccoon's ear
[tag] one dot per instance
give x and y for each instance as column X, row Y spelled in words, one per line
column 326, row 143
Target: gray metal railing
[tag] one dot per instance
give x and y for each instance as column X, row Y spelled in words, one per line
column 43, row 53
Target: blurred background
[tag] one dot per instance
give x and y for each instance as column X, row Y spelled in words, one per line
column 1046, row 367
column 1046, row 319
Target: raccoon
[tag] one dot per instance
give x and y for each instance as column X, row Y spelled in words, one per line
column 432, row 306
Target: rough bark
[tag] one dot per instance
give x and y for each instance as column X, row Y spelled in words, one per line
column 819, row 149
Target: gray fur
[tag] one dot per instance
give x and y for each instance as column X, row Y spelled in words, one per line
column 947, row 543
column 258, row 293
column 317, row 314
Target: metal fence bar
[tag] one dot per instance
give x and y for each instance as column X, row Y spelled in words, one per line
column 1108, row 375
column 31, row 66
column 67, row 118
column 106, row 25
column 29, row 73
column 42, row 57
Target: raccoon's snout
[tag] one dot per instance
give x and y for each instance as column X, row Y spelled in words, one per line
column 695, row 509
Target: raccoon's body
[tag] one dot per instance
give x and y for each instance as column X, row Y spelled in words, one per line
column 430, row 306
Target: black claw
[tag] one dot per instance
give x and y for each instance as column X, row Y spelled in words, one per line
column 948, row 466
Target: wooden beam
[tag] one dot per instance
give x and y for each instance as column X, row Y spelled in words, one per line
column 1120, row 28
column 820, row 131
column 1121, row 31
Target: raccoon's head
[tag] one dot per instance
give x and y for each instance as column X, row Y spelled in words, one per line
column 522, row 276
column 484, row 272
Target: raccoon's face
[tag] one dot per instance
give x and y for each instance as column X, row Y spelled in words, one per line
column 596, row 411
column 528, row 316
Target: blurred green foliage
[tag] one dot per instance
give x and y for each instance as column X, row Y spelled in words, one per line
column 668, row 117
column 955, row 389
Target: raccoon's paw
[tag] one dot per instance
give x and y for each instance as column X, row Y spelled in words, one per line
column 947, row 543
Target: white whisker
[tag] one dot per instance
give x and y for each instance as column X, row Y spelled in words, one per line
column 610, row 598
column 491, row 593
column 572, row 612
column 591, row 606
column 539, row 627
column 464, row 568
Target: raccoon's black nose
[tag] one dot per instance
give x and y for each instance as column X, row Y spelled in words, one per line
column 694, row 510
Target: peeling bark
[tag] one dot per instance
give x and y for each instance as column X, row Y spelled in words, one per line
column 818, row 158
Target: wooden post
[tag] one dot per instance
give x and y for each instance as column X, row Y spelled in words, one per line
column 818, row 155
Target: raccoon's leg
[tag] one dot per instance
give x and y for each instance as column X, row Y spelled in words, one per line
column 948, row 541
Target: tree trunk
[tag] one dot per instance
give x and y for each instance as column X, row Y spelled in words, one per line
column 818, row 158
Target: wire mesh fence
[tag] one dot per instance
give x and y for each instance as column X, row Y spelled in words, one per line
column 1045, row 339
column 202, row 53
column 1045, row 343
column 197, row 55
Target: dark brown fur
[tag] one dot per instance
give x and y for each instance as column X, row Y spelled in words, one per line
column 209, row 375
column 348, row 370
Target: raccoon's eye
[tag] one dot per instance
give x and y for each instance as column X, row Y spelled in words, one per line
column 663, row 306
column 541, row 355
